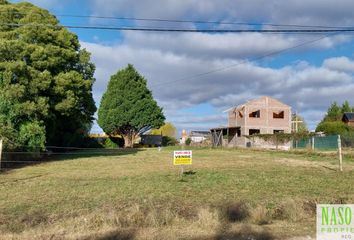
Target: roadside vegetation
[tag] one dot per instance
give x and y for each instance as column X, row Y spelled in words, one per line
column 139, row 194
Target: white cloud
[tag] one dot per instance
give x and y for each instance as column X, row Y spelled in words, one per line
column 307, row 88
column 314, row 12
column 340, row 64
column 168, row 60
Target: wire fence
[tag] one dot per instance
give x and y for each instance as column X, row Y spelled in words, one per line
column 348, row 141
column 329, row 142
column 28, row 156
column 15, row 159
column 324, row 142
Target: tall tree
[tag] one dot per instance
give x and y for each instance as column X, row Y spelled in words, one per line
column 346, row 107
column 334, row 113
column 167, row 130
column 127, row 107
column 332, row 122
column 45, row 79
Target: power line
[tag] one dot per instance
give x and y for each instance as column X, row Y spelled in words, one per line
column 242, row 62
column 196, row 21
column 187, row 21
column 146, row 29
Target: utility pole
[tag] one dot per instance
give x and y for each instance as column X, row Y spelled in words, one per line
column 295, row 123
column 296, row 128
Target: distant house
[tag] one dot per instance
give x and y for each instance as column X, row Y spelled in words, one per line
column 348, row 118
column 264, row 115
column 199, row 136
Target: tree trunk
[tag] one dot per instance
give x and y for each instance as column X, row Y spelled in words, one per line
column 127, row 141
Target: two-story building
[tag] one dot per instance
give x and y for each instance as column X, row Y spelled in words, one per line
column 264, row 115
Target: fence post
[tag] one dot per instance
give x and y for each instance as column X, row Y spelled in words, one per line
column 340, row 154
column 0, row 151
column 313, row 143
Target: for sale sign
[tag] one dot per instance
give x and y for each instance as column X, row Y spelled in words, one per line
column 183, row 157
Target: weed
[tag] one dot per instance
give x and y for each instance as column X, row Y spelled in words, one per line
column 236, row 212
column 260, row 215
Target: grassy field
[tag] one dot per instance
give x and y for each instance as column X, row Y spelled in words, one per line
column 139, row 194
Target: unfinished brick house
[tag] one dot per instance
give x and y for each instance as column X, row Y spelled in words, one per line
column 264, row 115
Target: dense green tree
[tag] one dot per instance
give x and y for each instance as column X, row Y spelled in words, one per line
column 334, row 127
column 332, row 122
column 345, row 107
column 334, row 113
column 45, row 79
column 127, row 107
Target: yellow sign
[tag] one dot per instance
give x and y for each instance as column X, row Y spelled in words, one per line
column 183, row 157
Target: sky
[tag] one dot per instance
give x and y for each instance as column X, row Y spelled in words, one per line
column 308, row 78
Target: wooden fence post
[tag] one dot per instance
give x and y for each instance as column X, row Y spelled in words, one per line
column 313, row 143
column 0, row 151
column 340, row 154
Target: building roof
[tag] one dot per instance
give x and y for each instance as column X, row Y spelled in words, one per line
column 258, row 101
column 199, row 133
column 348, row 116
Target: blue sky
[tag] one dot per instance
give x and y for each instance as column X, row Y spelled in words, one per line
column 308, row 78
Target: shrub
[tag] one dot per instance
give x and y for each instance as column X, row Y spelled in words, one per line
column 188, row 141
column 110, row 143
column 337, row 127
column 168, row 141
column 260, row 215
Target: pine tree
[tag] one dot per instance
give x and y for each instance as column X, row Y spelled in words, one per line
column 127, row 107
column 334, row 113
column 346, row 107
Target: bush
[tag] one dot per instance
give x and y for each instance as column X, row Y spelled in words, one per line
column 32, row 134
column 188, row 141
column 108, row 143
column 334, row 128
column 168, row 141
column 113, row 142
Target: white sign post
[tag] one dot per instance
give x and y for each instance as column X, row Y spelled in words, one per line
column 0, row 151
column 340, row 153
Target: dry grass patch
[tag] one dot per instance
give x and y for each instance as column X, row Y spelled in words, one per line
column 260, row 215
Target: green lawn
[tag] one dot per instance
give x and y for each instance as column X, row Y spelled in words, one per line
column 138, row 194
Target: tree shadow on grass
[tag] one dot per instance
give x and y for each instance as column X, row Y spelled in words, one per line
column 233, row 226
column 15, row 160
column 246, row 232
column 113, row 235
